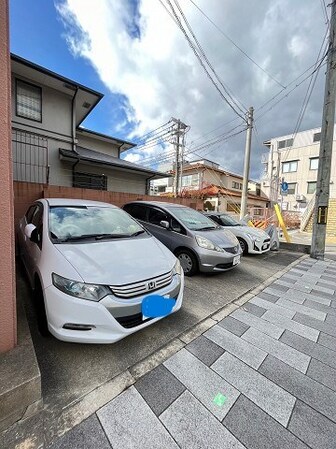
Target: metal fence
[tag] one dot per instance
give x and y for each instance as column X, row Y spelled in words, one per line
column 30, row 157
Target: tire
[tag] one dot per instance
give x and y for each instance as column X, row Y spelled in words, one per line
column 42, row 322
column 188, row 261
column 243, row 245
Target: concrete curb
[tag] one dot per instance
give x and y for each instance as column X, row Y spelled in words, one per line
column 74, row 414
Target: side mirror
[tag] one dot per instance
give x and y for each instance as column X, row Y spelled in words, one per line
column 28, row 230
column 164, row 224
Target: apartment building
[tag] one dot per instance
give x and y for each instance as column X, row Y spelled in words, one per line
column 294, row 160
column 222, row 188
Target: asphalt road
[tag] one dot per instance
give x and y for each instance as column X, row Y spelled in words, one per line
column 70, row 371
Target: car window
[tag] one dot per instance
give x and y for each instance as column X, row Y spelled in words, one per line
column 215, row 219
column 193, row 219
column 137, row 211
column 36, row 218
column 177, row 227
column 228, row 221
column 72, row 221
column 157, row 215
column 30, row 213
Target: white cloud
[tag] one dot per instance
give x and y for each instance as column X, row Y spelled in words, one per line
column 160, row 76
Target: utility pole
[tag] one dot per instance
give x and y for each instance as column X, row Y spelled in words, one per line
column 177, row 160
column 326, row 143
column 243, row 207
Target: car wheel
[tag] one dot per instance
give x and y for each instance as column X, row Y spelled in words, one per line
column 42, row 322
column 188, row 262
column 243, row 246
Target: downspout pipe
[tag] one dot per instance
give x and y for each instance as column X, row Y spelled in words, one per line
column 73, row 133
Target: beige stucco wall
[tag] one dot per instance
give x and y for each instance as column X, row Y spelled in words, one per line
column 97, row 145
column 7, row 272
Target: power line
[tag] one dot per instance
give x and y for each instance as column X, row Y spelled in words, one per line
column 192, row 46
column 232, row 42
column 141, row 138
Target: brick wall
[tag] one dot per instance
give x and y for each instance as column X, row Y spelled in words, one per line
column 25, row 193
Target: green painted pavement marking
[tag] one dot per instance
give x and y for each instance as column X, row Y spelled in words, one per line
column 219, row 399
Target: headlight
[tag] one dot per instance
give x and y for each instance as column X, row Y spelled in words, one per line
column 177, row 268
column 79, row 289
column 207, row 244
column 252, row 237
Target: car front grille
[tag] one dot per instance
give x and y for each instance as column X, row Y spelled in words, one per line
column 232, row 250
column 140, row 288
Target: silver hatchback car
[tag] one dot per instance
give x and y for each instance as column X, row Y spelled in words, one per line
column 198, row 242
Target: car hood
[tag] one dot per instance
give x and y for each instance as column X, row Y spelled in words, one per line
column 118, row 262
column 220, row 236
column 241, row 230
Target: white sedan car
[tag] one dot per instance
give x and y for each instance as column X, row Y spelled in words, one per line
column 91, row 266
column 252, row 240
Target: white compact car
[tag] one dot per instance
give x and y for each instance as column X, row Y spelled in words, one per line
column 252, row 240
column 91, row 265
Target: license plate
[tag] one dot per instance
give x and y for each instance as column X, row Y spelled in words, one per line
column 236, row 260
column 144, row 317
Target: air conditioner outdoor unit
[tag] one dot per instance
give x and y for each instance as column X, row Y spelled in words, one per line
column 300, row 198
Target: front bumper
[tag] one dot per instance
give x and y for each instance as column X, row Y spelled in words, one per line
column 213, row 261
column 260, row 246
column 108, row 317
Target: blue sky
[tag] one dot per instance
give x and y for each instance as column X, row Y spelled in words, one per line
column 37, row 34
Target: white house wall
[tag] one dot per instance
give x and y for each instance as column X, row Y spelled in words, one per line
column 97, row 145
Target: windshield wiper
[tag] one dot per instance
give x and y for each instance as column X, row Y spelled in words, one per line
column 111, row 236
column 207, row 228
column 74, row 238
column 137, row 233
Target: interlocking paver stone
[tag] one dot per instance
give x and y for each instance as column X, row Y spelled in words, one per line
column 318, row 306
column 256, row 429
column 303, row 387
column 274, row 291
column 88, row 434
column 254, row 309
column 286, row 323
column 129, row 423
column 301, row 309
column 268, row 297
column 159, row 388
column 270, row 306
column 258, row 323
column 323, row 295
column 278, row 286
column 312, row 427
column 202, row 382
column 280, row 350
column 205, row 350
column 327, row 340
column 331, row 319
column 267, row 395
column 316, row 324
column 192, row 426
column 310, row 348
column 330, row 279
column 302, row 287
column 234, row 326
column 322, row 373
column 246, row 352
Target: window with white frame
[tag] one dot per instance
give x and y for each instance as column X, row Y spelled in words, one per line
column 285, row 143
column 28, row 101
column 311, row 187
column 237, row 185
column 291, row 188
column 289, row 167
column 190, row 180
column 314, row 163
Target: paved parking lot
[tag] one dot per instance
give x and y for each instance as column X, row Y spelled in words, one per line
column 70, row 371
column 263, row 377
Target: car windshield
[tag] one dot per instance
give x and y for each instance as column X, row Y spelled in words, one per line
column 68, row 223
column 229, row 221
column 193, row 220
